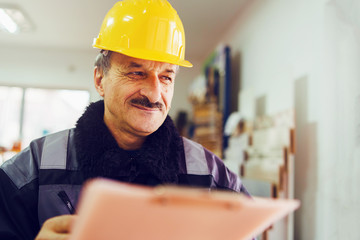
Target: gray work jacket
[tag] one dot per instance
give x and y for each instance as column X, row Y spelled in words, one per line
column 46, row 176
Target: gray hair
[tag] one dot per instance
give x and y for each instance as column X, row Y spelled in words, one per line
column 102, row 61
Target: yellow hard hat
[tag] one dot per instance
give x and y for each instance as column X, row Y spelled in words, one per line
column 145, row 29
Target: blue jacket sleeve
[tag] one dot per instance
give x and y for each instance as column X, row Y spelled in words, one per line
column 18, row 209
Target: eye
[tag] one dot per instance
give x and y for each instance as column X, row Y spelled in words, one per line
column 136, row 75
column 167, row 79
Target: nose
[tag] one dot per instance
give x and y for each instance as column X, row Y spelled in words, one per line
column 152, row 89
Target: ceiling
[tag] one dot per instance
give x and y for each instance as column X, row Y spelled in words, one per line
column 72, row 24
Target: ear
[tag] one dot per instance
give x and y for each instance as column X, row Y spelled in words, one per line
column 98, row 81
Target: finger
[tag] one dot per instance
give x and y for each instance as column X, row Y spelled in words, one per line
column 63, row 223
column 60, row 224
column 62, row 236
column 46, row 234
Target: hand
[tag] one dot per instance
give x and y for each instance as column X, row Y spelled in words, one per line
column 56, row 228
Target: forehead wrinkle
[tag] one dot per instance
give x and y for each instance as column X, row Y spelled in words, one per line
column 147, row 64
column 153, row 65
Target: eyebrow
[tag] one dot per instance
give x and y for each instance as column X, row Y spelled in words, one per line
column 138, row 65
column 134, row 64
column 169, row 71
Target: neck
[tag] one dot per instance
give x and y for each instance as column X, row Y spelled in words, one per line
column 125, row 139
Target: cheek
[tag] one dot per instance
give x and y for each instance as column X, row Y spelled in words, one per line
column 127, row 95
column 168, row 95
column 123, row 92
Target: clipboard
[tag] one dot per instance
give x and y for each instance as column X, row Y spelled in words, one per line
column 110, row 210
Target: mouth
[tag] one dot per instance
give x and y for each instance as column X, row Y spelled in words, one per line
column 143, row 108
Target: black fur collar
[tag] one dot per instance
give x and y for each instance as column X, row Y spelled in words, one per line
column 99, row 155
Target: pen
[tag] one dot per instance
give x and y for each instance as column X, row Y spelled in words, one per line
column 65, row 198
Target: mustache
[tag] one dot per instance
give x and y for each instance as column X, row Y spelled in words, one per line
column 145, row 102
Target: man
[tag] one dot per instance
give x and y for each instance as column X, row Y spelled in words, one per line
column 127, row 136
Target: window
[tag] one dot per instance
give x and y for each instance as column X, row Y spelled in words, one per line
column 30, row 113
column 10, row 114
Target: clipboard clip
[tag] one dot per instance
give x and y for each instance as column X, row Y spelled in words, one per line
column 195, row 197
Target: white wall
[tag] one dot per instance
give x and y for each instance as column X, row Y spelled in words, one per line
column 48, row 68
column 339, row 122
column 306, row 55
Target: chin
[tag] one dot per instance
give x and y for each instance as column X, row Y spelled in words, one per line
column 146, row 131
column 146, row 128
column 152, row 123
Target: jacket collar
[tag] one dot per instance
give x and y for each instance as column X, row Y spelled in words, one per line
column 100, row 156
